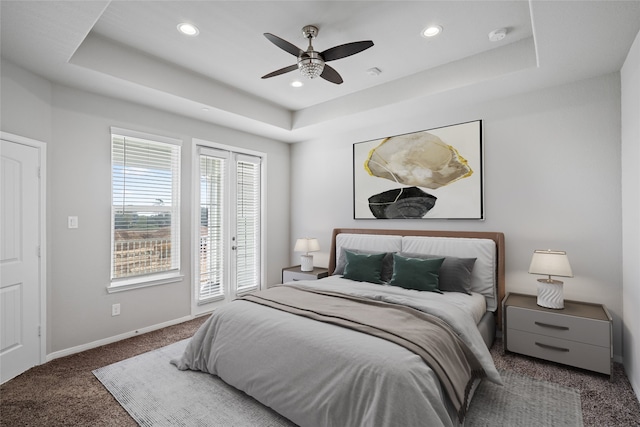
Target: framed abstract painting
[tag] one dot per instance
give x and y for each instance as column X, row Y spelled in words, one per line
column 431, row 174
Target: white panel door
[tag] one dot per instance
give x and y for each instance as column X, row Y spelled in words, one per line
column 19, row 259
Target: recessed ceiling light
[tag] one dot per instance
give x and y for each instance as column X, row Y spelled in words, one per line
column 188, row 29
column 431, row 31
column 297, row 83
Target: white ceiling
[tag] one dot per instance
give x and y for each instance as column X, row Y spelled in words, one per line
column 133, row 51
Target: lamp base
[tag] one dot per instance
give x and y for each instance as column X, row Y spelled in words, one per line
column 306, row 262
column 550, row 294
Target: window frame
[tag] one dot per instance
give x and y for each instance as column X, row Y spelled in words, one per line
column 155, row 278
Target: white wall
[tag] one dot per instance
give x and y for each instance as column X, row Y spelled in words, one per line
column 630, row 80
column 78, row 136
column 25, row 104
column 552, row 180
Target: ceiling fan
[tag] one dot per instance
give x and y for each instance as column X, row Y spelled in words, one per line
column 311, row 63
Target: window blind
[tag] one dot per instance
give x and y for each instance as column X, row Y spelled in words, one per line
column 212, row 184
column 145, row 207
column 247, row 223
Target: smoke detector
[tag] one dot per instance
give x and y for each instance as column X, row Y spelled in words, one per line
column 375, row 71
column 497, row 35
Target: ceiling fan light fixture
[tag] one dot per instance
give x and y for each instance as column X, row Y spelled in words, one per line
column 431, row 31
column 188, row 29
column 310, row 65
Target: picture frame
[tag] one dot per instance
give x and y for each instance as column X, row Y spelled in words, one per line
column 430, row 174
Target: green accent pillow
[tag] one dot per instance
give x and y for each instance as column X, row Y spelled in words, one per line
column 455, row 273
column 416, row 273
column 387, row 262
column 363, row 267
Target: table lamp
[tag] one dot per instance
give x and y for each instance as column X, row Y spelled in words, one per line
column 550, row 263
column 306, row 245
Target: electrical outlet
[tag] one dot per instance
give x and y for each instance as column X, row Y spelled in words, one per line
column 115, row 310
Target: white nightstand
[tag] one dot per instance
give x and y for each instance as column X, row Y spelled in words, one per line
column 578, row 335
column 294, row 273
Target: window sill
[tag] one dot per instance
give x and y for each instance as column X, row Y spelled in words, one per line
column 137, row 283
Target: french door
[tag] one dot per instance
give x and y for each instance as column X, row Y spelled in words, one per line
column 228, row 209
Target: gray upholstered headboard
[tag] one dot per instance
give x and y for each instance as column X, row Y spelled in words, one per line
column 496, row 237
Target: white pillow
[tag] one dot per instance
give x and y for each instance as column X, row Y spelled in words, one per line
column 483, row 275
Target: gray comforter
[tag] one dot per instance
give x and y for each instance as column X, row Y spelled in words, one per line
column 318, row 374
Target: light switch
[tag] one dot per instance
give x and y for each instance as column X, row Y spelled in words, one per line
column 72, row 222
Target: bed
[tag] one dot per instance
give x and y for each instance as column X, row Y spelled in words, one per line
column 384, row 351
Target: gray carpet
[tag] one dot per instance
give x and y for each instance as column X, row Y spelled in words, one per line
column 155, row 393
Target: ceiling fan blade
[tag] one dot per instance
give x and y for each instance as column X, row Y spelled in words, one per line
column 281, row 71
column 331, row 75
column 345, row 50
column 283, row 44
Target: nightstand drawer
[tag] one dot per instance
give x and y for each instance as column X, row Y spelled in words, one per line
column 588, row 331
column 594, row 358
column 292, row 274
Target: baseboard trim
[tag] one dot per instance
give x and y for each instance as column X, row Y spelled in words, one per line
column 110, row 340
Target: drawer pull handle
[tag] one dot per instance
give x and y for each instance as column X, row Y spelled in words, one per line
column 547, row 325
column 551, row 347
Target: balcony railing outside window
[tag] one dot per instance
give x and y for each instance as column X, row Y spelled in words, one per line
column 142, row 256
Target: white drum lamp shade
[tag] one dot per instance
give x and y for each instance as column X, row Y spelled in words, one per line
column 550, row 263
column 306, row 245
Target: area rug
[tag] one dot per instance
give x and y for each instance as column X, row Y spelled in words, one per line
column 524, row 401
column 155, row 393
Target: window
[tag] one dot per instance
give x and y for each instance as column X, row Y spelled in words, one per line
column 145, row 208
column 229, row 207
